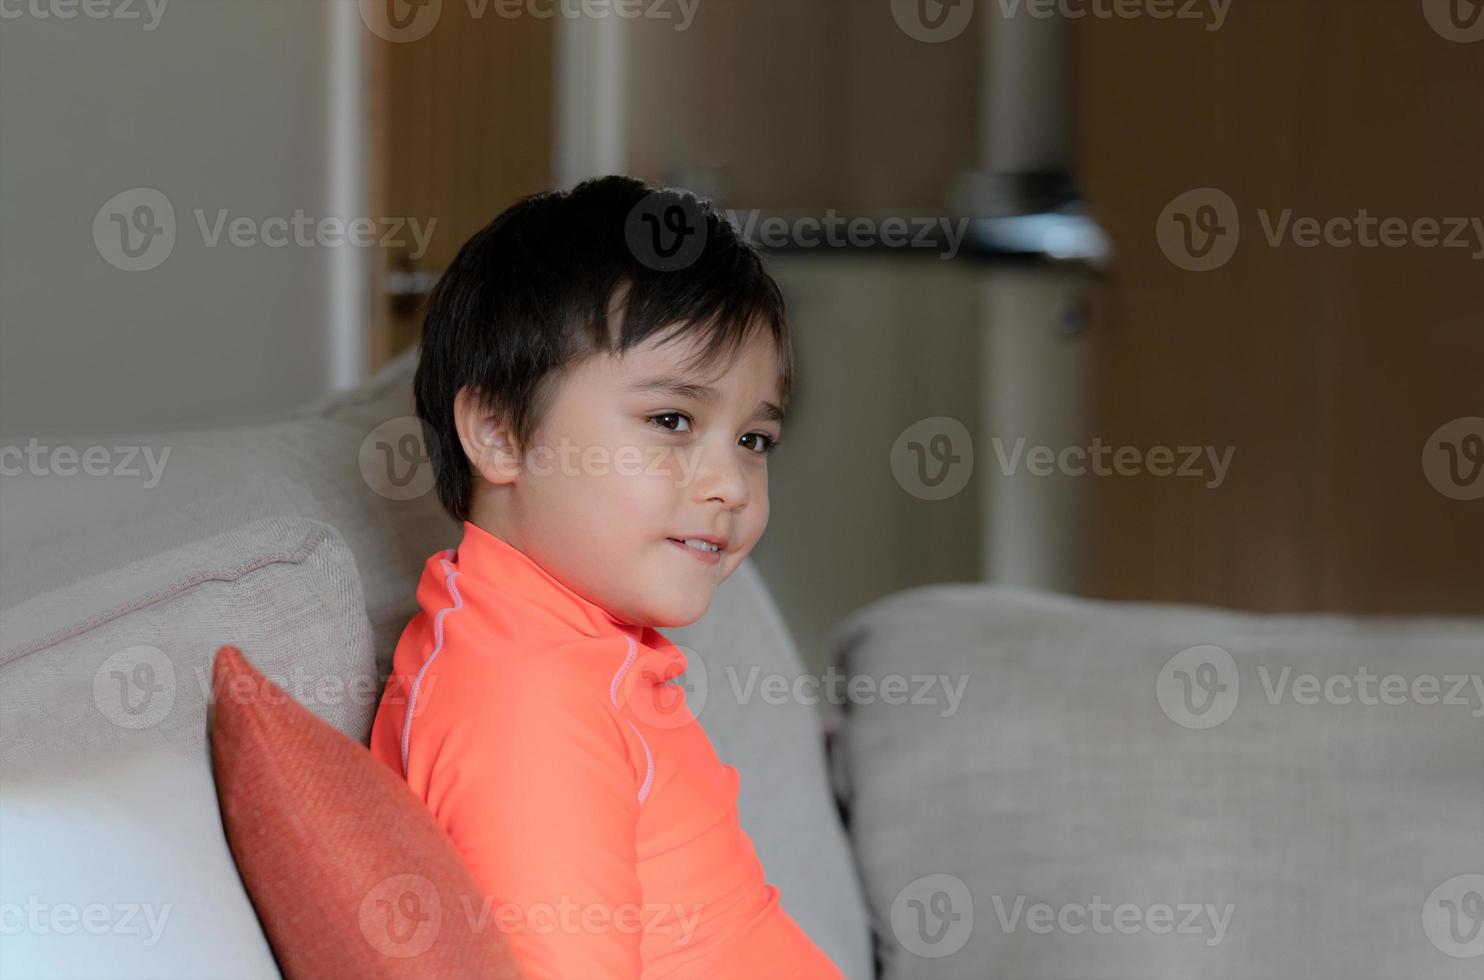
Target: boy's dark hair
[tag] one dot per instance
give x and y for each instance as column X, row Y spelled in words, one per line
column 527, row 297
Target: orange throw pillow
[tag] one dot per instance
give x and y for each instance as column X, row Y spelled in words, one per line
column 349, row 873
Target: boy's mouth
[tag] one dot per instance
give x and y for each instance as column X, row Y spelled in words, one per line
column 705, row 549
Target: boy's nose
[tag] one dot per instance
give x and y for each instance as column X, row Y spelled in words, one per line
column 720, row 476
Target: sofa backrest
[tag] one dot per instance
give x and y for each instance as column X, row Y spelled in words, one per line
column 172, row 489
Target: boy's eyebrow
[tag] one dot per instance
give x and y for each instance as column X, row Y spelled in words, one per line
column 701, row 393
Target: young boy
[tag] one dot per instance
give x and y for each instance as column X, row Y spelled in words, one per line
column 600, row 423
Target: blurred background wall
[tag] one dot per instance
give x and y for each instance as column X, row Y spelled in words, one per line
column 93, row 107
column 1072, row 154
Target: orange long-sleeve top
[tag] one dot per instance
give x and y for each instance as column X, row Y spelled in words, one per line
column 582, row 793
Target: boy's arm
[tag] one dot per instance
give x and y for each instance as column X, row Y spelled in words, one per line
column 534, row 783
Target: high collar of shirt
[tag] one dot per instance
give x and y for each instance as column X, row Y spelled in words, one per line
column 514, row 575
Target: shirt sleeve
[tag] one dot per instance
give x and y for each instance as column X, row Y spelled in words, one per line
column 535, row 784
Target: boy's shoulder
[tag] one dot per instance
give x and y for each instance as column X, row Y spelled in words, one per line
column 485, row 650
column 467, row 676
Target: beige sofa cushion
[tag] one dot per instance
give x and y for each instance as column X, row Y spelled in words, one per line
column 1164, row 761
column 107, row 802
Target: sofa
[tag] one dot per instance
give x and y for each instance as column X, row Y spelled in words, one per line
column 987, row 782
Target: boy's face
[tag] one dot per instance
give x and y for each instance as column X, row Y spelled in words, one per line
column 622, row 468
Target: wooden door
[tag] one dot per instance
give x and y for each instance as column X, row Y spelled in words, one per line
column 461, row 127
column 1329, row 368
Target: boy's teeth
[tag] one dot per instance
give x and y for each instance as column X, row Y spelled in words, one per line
column 702, row 545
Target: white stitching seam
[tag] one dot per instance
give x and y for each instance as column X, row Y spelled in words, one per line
column 613, row 696
column 458, row 603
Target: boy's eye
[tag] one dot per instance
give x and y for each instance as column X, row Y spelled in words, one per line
column 763, row 445
column 769, row 443
column 678, row 416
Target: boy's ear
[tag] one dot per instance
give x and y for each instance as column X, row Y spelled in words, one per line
column 487, row 440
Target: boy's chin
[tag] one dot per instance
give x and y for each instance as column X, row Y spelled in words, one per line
column 679, row 614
